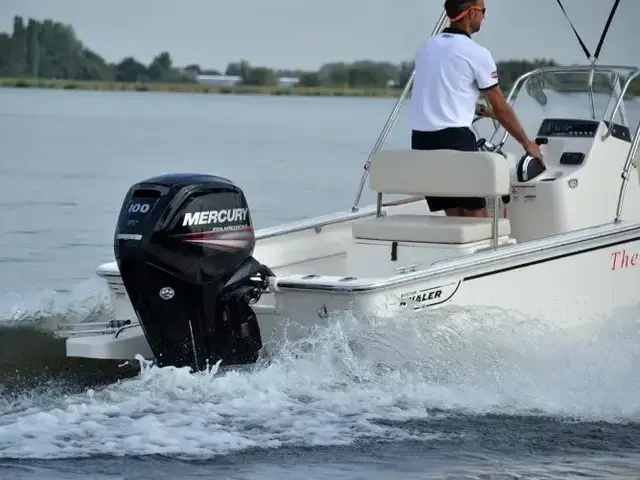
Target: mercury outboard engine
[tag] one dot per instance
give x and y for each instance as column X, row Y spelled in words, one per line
column 184, row 245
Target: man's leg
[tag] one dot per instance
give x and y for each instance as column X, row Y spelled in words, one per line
column 473, row 207
column 457, row 138
column 435, row 141
column 475, row 213
column 450, row 206
column 459, row 207
column 455, row 212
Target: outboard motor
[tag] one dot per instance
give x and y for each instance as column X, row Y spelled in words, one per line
column 184, row 245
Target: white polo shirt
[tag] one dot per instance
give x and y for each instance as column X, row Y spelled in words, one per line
column 451, row 70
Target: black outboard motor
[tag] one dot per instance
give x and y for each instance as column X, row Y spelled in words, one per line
column 183, row 246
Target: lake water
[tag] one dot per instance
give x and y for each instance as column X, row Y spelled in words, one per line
column 483, row 401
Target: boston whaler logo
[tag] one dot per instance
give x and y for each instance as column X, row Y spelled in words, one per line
column 428, row 297
column 215, row 216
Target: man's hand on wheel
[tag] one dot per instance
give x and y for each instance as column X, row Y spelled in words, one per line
column 484, row 111
column 533, row 149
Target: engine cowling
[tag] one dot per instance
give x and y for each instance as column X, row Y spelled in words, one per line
column 184, row 246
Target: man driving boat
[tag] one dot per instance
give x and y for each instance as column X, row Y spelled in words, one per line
column 450, row 72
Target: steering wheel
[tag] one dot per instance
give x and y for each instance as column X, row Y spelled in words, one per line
column 483, row 146
column 481, row 143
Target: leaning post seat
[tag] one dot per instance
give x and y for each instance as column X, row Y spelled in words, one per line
column 436, row 173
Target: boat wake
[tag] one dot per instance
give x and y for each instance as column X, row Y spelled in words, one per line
column 31, row 358
column 46, row 309
column 356, row 380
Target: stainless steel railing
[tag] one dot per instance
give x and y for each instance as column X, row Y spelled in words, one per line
column 392, row 118
column 625, row 172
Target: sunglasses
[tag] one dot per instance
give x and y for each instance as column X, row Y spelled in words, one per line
column 480, row 9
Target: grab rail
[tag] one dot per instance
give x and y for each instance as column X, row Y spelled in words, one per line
column 618, row 104
column 392, row 118
column 625, row 172
column 81, row 329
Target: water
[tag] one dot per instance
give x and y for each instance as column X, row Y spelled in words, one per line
column 469, row 394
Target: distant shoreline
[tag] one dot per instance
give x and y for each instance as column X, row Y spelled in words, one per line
column 338, row 91
column 270, row 90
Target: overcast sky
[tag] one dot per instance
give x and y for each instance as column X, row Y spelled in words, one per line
column 305, row 34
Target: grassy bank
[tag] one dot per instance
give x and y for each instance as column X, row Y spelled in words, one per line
column 337, row 91
column 199, row 88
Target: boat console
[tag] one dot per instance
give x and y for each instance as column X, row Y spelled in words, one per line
column 580, row 185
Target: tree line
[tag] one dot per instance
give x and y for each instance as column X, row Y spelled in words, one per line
column 51, row 50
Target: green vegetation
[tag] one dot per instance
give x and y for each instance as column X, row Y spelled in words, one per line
column 191, row 87
column 48, row 54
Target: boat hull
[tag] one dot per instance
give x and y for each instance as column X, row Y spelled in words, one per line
column 569, row 283
column 569, row 280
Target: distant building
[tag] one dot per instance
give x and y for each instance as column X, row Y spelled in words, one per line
column 230, row 80
column 226, row 80
column 288, row 81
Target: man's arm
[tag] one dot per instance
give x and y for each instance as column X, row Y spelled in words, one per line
column 486, row 74
column 505, row 115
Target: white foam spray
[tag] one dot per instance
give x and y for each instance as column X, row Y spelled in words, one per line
column 355, row 379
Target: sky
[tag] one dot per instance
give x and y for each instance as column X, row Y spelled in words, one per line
column 304, row 34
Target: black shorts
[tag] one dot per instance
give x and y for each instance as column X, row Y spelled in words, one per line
column 454, row 138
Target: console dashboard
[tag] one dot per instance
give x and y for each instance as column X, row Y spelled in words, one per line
column 574, row 128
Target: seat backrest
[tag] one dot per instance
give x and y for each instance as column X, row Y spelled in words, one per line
column 439, row 173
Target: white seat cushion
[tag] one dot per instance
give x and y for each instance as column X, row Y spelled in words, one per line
column 439, row 173
column 428, row 229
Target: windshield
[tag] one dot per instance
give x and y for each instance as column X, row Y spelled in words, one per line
column 566, row 94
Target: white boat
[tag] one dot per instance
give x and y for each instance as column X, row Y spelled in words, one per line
column 566, row 243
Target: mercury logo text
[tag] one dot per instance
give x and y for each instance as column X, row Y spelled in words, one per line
column 215, row 216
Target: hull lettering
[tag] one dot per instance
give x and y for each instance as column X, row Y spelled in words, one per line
column 623, row 259
column 428, row 296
